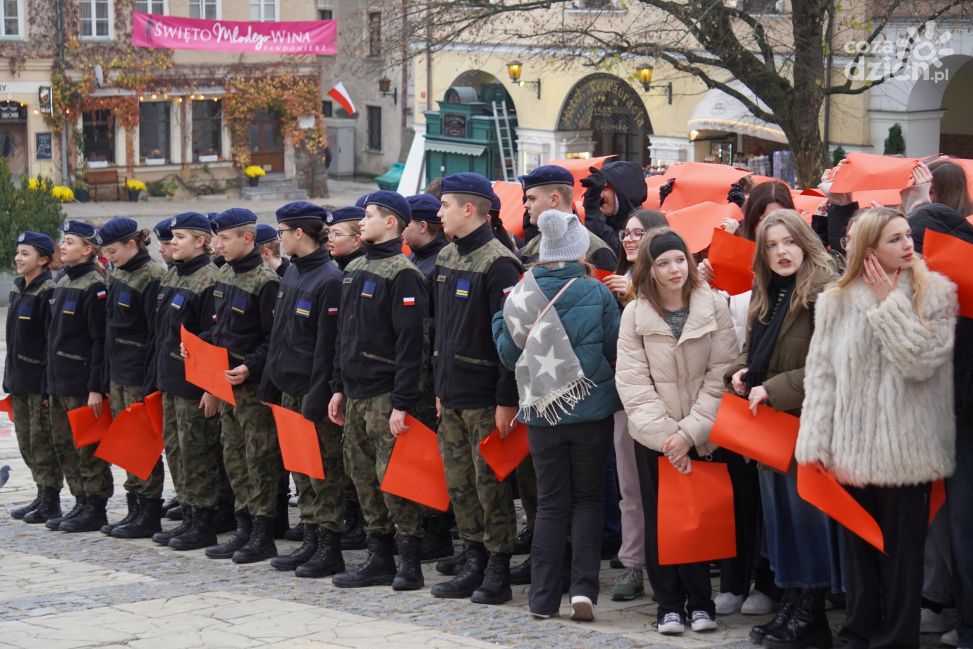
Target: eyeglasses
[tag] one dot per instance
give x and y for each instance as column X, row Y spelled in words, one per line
column 281, row 231
column 332, row 235
column 635, row 233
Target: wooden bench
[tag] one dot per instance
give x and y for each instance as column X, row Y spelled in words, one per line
column 101, row 179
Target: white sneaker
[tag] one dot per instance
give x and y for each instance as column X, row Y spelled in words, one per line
column 728, row 603
column 582, row 610
column 950, row 638
column 931, row 622
column 672, row 624
column 702, row 621
column 758, row 604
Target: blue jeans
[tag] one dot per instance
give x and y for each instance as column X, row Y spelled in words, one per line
column 802, row 543
column 959, row 489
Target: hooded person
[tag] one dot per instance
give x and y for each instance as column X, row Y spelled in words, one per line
column 611, row 194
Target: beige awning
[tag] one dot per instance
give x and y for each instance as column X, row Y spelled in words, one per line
column 718, row 111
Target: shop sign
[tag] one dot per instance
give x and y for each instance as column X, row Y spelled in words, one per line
column 454, row 125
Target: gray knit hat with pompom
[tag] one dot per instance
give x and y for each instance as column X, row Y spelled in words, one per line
column 563, row 238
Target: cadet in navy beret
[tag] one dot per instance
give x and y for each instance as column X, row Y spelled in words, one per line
column 78, row 229
column 424, row 235
column 393, row 202
column 265, row 234
column 425, row 207
column 190, row 221
column 116, row 229
column 345, row 214
column 234, row 217
column 468, row 183
column 300, row 210
column 547, row 175
column 268, row 243
column 344, row 234
column 163, row 230
column 361, row 201
column 40, row 241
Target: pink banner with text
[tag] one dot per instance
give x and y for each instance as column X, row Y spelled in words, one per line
column 307, row 37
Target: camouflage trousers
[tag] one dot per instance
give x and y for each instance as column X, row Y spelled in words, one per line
column 368, row 446
column 527, row 487
column 32, row 423
column 482, row 504
column 85, row 474
column 251, row 452
column 193, row 452
column 322, row 502
column 122, row 396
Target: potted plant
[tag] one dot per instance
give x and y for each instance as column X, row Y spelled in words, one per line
column 134, row 187
column 253, row 174
column 209, row 154
column 62, row 193
column 155, row 158
column 82, row 190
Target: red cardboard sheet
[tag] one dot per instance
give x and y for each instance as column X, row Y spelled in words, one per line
column 867, row 171
column 299, row 445
column 696, row 223
column 85, row 427
column 7, row 406
column 768, row 438
column 819, row 488
column 950, row 256
column 937, row 498
column 415, row 470
column 511, row 206
column 732, row 260
column 700, row 182
column 153, row 405
column 206, row 366
column 695, row 517
column 505, row 455
column 581, row 168
column 131, row 442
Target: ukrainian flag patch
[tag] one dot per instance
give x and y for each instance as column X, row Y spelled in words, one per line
column 239, row 304
column 463, row 289
column 69, row 307
column 124, row 299
column 368, row 290
column 303, row 308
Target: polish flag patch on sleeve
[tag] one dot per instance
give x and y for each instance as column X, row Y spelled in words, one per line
column 408, row 301
column 332, row 310
column 101, row 295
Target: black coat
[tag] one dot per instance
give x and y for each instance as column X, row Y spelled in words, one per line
column 27, row 335
column 628, row 181
column 76, row 336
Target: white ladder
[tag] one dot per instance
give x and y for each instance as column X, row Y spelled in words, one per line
column 505, row 138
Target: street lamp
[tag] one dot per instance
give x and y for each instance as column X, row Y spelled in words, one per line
column 383, row 88
column 644, row 73
column 514, row 68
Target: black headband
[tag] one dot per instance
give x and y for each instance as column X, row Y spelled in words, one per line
column 665, row 242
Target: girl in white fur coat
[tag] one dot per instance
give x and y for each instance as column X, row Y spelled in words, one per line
column 878, row 413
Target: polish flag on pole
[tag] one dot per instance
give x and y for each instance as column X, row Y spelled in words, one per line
column 340, row 94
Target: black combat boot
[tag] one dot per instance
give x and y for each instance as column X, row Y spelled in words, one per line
column 200, row 534
column 409, row 575
column 520, row 574
column 177, row 513
column 437, row 542
column 784, row 611
column 239, row 539
column 378, row 569
column 55, row 523
column 260, row 546
column 162, row 537
column 470, row 575
column 495, row 588
column 146, row 523
column 327, row 560
column 225, row 520
column 295, row 533
column 309, row 545
column 132, row 500
column 90, row 519
column 169, row 504
column 807, row 625
column 523, row 541
column 23, row 510
column 282, row 521
column 47, row 508
column 353, row 537
column 450, row 566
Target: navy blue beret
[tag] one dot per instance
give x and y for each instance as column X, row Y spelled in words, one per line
column 495, row 203
column 361, row 201
column 233, row 218
column 163, row 230
column 78, row 228
column 467, row 183
column 343, row 214
column 265, row 234
column 116, row 229
column 547, row 175
column 190, row 221
column 38, row 240
column 425, row 207
column 391, row 201
column 301, row 210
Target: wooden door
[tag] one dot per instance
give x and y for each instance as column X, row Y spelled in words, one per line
column 267, row 142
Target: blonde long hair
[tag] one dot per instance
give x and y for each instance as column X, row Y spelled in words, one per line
column 816, row 271
column 865, row 232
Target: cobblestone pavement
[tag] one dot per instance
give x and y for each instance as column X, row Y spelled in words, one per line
column 66, row 591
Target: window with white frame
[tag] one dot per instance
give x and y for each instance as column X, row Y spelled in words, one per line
column 207, row 127
column 12, row 18
column 157, row 7
column 96, row 17
column 205, row 9
column 263, row 10
column 154, row 129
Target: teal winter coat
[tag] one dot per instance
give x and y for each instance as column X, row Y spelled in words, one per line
column 589, row 314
